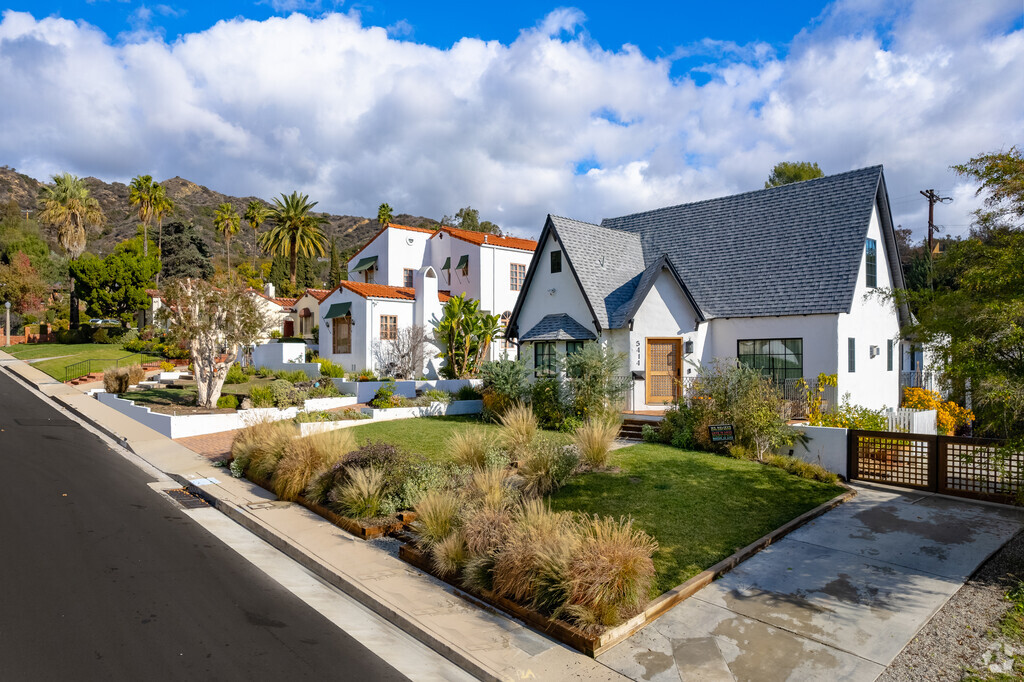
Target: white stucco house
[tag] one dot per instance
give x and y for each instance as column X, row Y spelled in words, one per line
column 403, row 276
column 280, row 311
column 307, row 312
column 780, row 278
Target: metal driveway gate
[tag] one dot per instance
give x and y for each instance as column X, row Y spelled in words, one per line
column 979, row 468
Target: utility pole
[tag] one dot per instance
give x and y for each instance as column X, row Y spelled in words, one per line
column 933, row 199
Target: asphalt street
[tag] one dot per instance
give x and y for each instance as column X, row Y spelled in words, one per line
column 102, row 577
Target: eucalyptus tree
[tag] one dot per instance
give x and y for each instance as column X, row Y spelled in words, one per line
column 226, row 221
column 295, row 230
column 141, row 194
column 67, row 206
column 255, row 214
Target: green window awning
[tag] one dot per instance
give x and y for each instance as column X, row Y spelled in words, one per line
column 338, row 310
column 463, row 263
column 365, row 264
column 447, row 263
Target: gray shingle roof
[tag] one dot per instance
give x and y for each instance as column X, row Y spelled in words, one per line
column 607, row 262
column 558, row 327
column 789, row 250
column 621, row 317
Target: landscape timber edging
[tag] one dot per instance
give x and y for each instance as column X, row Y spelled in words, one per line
column 595, row 645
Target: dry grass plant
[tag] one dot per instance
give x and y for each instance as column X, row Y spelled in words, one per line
column 136, row 374
column 305, row 458
column 361, row 496
column 115, row 380
column 595, row 437
column 490, row 488
column 486, row 529
column 437, row 516
column 469, row 447
column 537, row 537
column 258, row 447
column 611, row 576
column 449, row 555
column 546, row 468
column 519, row 428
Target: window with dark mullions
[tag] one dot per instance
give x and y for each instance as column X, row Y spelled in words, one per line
column 851, row 355
column 779, row 359
column 544, row 359
column 573, row 347
column 556, row 261
column 871, row 263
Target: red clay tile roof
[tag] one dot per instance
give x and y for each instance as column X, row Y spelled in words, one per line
column 286, row 302
column 319, row 294
column 384, row 291
column 398, row 227
column 490, row 239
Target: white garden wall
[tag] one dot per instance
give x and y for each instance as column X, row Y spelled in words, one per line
column 432, row 410
column 365, row 390
column 285, row 356
column 827, row 448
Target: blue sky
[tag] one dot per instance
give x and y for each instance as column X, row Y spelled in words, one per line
column 518, row 110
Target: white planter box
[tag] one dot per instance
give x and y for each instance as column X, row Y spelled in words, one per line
column 365, row 390
column 309, row 428
column 316, row 404
column 432, row 410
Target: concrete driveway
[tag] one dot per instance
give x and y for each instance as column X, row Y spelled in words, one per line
column 837, row 599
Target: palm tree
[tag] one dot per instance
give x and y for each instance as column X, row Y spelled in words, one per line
column 163, row 205
column 67, row 206
column 140, row 195
column 226, row 220
column 384, row 215
column 255, row 214
column 295, row 230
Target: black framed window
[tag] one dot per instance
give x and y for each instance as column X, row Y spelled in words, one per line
column 556, row 261
column 888, row 355
column 779, row 359
column 544, row 359
column 871, row 261
column 573, row 347
column 851, row 354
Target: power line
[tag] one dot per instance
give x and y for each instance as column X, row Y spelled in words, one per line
column 933, row 199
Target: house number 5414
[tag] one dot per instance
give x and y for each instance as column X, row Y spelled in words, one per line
column 638, row 352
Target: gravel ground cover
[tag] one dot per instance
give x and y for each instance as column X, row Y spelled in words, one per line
column 957, row 639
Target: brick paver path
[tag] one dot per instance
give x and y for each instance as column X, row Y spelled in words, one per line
column 213, row 446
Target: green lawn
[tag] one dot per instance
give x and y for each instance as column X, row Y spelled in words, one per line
column 74, row 352
column 428, row 435
column 185, row 397
column 700, row 507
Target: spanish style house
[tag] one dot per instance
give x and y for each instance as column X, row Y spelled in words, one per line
column 402, row 277
column 782, row 279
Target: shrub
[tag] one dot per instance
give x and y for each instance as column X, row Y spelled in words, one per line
column 650, row 434
column 468, row 447
column 284, row 393
column 437, row 396
column 679, row 427
column 329, row 369
column 366, row 375
column 593, row 379
column 295, row 376
column 258, row 447
column 547, row 403
column 547, row 468
column 949, row 416
column 166, row 366
column 235, row 375
column 570, row 425
column 116, row 380
column 136, row 374
column 595, row 438
column 261, row 396
column 467, row 393
column 101, row 335
column 429, row 477
column 449, row 555
column 228, row 401
column 71, row 336
column 127, row 336
column 849, row 416
column 306, row 457
column 361, row 496
column 505, row 382
column 395, row 466
column 323, row 389
column 385, row 396
column 437, row 517
column 519, row 428
column 611, row 576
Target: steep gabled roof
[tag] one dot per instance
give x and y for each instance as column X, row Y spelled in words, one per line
column 627, row 310
column 483, row 238
column 370, row 290
column 789, row 250
column 407, row 228
column 319, row 294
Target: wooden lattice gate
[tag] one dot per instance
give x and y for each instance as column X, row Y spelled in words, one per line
column 979, row 468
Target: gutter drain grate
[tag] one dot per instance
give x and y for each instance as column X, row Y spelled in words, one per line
column 186, row 499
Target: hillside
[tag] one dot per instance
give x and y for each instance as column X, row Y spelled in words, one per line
column 193, row 202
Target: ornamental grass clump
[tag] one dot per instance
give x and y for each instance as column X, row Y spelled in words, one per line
column 489, row 488
column 546, row 468
column 449, row 555
column 595, row 437
column 437, row 516
column 537, row 540
column 519, row 428
column 469, row 447
column 611, row 575
column 361, row 496
column 304, row 458
column 116, row 380
column 258, row 448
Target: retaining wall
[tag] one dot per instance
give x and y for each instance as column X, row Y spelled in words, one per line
column 827, row 447
column 365, row 390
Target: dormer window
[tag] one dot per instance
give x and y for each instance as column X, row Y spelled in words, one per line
column 871, row 263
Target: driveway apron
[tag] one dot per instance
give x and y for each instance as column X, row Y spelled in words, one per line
column 837, row 599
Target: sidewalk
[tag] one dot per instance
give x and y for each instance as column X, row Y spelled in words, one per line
column 487, row 645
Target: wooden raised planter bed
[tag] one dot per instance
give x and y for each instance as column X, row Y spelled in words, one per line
column 360, row 529
column 595, row 644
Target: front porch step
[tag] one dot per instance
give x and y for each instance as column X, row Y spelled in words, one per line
column 633, row 429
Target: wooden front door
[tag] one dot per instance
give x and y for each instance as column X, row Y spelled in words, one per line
column 664, row 370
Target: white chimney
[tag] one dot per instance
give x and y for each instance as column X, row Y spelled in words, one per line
column 426, row 309
column 268, row 289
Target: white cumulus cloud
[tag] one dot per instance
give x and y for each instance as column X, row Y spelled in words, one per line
column 553, row 122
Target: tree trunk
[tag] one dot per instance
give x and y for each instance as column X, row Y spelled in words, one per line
column 227, row 244
column 145, row 240
column 72, row 303
column 255, row 250
column 160, row 249
column 210, row 374
column 295, row 262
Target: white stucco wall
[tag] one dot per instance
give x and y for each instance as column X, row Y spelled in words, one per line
column 357, row 359
column 306, row 301
column 826, row 447
column 871, row 321
column 405, row 249
column 817, row 331
column 553, row 293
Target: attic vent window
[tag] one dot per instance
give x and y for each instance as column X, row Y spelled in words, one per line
column 871, row 263
column 556, row 261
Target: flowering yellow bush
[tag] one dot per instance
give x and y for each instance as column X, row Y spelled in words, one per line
column 949, row 415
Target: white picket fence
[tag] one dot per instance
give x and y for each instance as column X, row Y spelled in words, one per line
column 912, row 421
